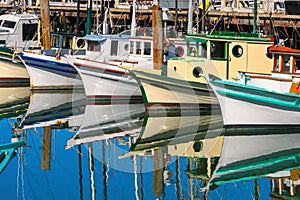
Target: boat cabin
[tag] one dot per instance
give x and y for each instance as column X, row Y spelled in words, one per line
column 223, row 54
column 285, row 60
column 106, row 47
column 18, row 31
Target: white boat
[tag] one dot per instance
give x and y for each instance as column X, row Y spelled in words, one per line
column 240, row 104
column 50, row 72
column 248, row 105
column 17, row 33
column 50, row 69
column 103, row 122
column 54, row 108
column 105, row 81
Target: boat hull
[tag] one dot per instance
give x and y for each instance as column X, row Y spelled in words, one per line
column 49, row 72
column 13, row 74
column 161, row 91
column 246, row 105
column 107, row 82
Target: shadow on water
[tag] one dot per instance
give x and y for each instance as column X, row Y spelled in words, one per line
column 117, row 151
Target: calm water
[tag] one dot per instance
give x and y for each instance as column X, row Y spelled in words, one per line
column 77, row 150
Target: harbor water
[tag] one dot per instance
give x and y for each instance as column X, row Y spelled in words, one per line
column 75, row 149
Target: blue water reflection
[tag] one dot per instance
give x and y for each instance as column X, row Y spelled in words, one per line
column 80, row 150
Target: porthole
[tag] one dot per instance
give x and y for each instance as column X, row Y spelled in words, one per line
column 175, row 69
column 197, row 71
column 179, row 51
column 237, row 51
column 80, row 43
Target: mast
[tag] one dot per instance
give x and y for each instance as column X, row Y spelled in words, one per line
column 133, row 22
column 255, row 17
column 45, row 18
column 89, row 17
column 190, row 17
column 78, row 16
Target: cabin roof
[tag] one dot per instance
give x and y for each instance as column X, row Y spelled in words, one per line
column 16, row 17
column 227, row 35
column 284, row 50
column 100, row 38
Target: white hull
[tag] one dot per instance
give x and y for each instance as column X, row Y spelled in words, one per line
column 104, row 80
column 166, row 91
column 47, row 72
column 241, row 107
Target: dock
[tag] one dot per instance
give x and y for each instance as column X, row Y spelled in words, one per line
column 236, row 15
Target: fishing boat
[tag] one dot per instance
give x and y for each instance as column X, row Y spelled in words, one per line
column 49, row 69
column 17, row 33
column 7, row 151
column 249, row 105
column 105, row 81
column 224, row 54
column 107, row 121
column 63, row 109
column 240, row 104
column 285, row 72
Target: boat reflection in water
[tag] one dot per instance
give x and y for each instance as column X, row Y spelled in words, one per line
column 119, row 151
column 230, row 156
column 14, row 101
column 103, row 122
column 54, row 107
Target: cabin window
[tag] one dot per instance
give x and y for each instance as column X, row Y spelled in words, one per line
column 138, row 48
column 147, row 48
column 9, row 24
column 237, row 51
column 217, row 50
column 297, row 65
column 287, row 64
column 193, row 51
column 29, row 32
column 202, row 50
column 1, row 22
column 93, row 46
column 131, row 47
column 114, row 48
